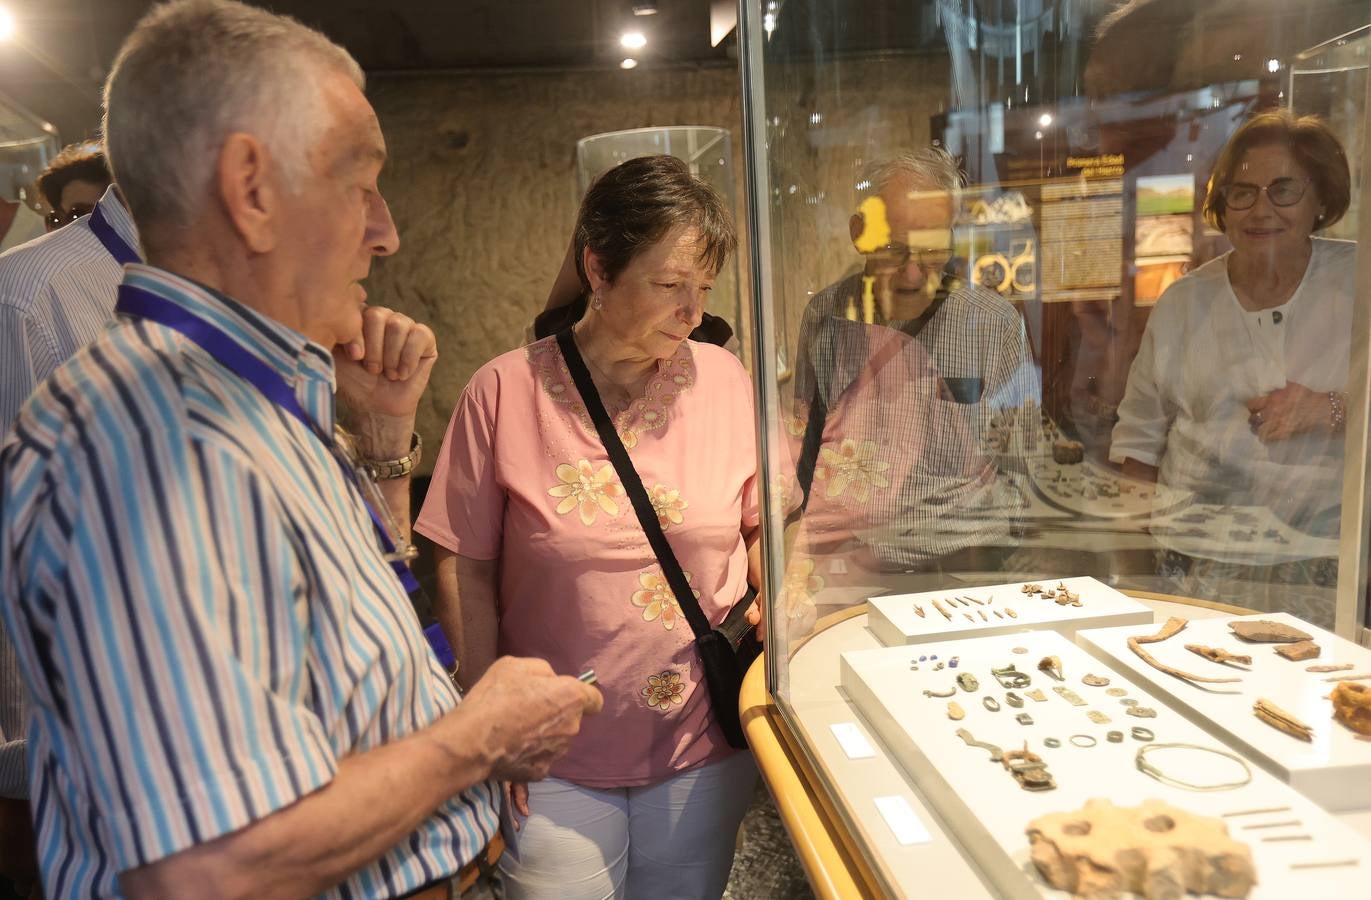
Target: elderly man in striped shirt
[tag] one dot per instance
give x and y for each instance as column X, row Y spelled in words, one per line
column 230, row 692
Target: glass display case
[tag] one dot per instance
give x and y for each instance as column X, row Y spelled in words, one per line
column 27, row 143
column 1073, row 301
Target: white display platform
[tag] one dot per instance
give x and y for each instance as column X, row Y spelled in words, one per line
column 1334, row 770
column 894, row 621
column 987, row 809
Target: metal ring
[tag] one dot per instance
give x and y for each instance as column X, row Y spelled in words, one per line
column 1143, row 734
column 1077, row 738
column 990, row 703
column 1114, row 737
column 1054, row 743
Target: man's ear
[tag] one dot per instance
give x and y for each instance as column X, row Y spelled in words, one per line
column 248, row 191
column 855, row 225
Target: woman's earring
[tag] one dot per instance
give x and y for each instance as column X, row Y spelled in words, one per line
column 595, row 302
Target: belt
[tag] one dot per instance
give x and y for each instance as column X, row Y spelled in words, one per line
column 467, row 876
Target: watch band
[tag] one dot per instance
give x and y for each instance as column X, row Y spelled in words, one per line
column 386, row 469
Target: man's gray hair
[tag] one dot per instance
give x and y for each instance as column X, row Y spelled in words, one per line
column 193, row 72
column 932, row 168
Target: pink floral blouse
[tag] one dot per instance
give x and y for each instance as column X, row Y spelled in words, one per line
column 522, row 477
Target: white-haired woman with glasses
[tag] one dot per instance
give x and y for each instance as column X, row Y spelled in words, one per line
column 1237, row 394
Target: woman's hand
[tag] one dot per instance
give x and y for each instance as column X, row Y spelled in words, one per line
column 1284, row 413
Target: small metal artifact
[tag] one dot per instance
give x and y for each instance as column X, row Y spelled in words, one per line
column 918, row 610
column 1095, row 680
column 1219, row 655
column 1142, row 734
column 997, row 614
column 990, row 703
column 938, row 667
column 1024, row 719
column 1052, row 743
column 996, row 754
column 1173, row 627
column 1031, row 589
column 1069, row 695
column 1036, row 695
column 1098, row 717
column 1281, row 720
column 1299, row 651
column 950, row 692
column 1142, row 712
column 1084, row 741
column 1051, row 665
column 983, row 616
column 972, row 599
column 1010, row 677
column 1114, row 737
column 1344, row 667
column 1009, row 612
column 1117, row 692
column 955, row 711
column 1364, row 676
column 1148, row 768
column 1128, row 701
column 1028, row 769
column 937, row 604
column 968, row 617
column 1019, row 650
column 967, row 682
column 1013, row 700
column 1265, row 631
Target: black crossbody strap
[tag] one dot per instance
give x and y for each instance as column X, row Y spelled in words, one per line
column 633, row 486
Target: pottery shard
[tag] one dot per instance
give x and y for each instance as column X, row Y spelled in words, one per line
column 1352, row 706
column 1264, row 631
column 1299, row 651
column 1156, row 850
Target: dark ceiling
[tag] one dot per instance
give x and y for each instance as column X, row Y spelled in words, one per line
column 65, row 46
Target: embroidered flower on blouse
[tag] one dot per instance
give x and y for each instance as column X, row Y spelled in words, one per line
column 663, row 690
column 669, row 504
column 584, row 489
column 801, row 584
column 657, row 600
column 853, row 465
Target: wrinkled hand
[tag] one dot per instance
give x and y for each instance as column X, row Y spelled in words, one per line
column 516, row 795
column 529, row 715
column 1284, row 413
column 385, row 371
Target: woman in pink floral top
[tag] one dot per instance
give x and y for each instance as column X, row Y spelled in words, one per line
column 542, row 555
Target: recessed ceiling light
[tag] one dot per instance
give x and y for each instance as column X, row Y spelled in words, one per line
column 629, row 63
column 633, row 40
column 1045, row 119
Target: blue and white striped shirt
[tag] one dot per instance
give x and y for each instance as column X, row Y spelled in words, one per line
column 56, row 293
column 202, row 613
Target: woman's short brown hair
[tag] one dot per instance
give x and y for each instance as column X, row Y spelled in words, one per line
column 634, row 205
column 1312, row 144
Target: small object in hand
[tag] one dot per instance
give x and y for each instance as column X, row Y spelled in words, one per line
column 1281, row 720
column 588, row 677
column 1299, row 651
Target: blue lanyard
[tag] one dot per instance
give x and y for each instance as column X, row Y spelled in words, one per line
column 136, row 301
column 117, row 246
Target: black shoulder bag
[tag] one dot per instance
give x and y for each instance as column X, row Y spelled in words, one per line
column 726, row 651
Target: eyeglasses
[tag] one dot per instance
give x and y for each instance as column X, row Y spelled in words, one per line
column 1281, row 192
column 895, row 255
column 57, row 218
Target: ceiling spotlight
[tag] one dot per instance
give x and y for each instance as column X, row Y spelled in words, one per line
column 1273, row 65
column 6, row 24
column 1045, row 120
column 644, row 8
column 629, row 63
column 633, row 40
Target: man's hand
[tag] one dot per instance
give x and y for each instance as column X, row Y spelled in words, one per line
column 1284, row 413
column 381, row 377
column 528, row 715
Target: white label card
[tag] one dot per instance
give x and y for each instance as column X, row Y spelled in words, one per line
column 902, row 821
column 853, row 742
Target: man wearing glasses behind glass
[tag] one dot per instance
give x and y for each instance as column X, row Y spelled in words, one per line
column 900, row 372
column 231, row 694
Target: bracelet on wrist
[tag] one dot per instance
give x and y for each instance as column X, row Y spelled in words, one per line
column 386, row 469
column 1337, row 412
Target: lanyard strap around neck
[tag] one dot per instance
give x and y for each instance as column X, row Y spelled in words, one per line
column 117, row 246
column 136, row 301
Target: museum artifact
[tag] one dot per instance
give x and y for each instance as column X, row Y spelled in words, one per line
column 1028, row 769
column 1154, row 849
column 1220, row 655
column 918, row 610
column 1364, row 676
column 1009, row 612
column 955, row 711
column 1265, row 631
column 1142, row 734
column 1299, row 651
column 942, row 609
column 1098, row 717
column 995, row 753
column 1141, row 712
column 1010, row 677
column 1069, row 695
column 1352, row 706
column 1095, row 680
column 1036, row 695
column 1149, row 768
column 1281, row 720
column 967, row 682
column 1013, row 699
column 1173, row 627
column 1343, row 667
column 990, row 703
column 1051, row 665
column 1067, row 452
column 1117, row 692
column 1084, row 741
column 950, row 692
column 1256, row 812
column 1024, row 719
column 1114, row 737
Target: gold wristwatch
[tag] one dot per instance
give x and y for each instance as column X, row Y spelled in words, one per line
column 386, row 469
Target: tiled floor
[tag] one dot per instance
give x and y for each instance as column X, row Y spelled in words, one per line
column 766, row 867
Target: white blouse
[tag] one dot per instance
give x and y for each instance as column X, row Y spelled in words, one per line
column 1203, row 357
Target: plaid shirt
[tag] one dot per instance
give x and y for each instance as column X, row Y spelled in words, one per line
column 941, row 416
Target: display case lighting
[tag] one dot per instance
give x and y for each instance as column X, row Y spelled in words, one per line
column 628, row 63
column 1273, row 65
column 633, row 40
column 645, row 8
column 1045, row 119
column 6, row 24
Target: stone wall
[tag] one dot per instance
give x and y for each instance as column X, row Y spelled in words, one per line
column 483, row 189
